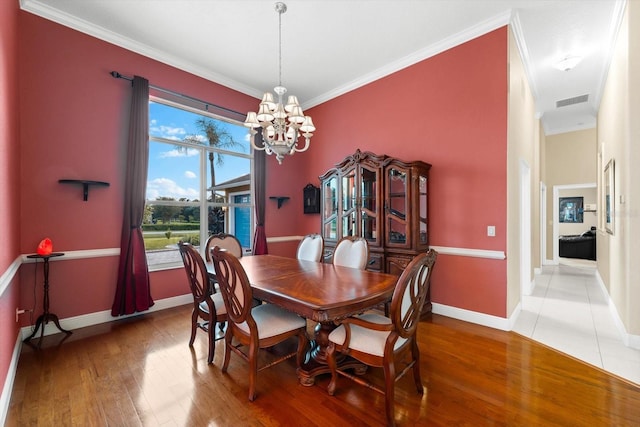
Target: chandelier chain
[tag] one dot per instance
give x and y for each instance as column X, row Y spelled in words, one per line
column 280, row 12
column 281, row 123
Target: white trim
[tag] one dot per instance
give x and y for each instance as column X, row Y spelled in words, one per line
column 528, row 64
column 464, row 36
column 9, row 274
column 475, row 317
column 97, row 318
column 81, row 254
column 476, row 253
column 543, row 223
column 72, row 323
column 629, row 340
column 281, row 239
column 51, row 13
column 525, row 229
column 616, row 21
column 7, row 388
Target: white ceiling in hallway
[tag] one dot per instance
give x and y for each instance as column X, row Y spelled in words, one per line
column 331, row 47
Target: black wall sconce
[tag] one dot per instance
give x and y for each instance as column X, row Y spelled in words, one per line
column 311, row 197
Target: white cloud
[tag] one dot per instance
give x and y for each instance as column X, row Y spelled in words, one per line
column 179, row 152
column 169, row 132
column 165, row 187
column 190, row 174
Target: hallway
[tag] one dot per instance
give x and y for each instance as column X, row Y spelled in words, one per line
column 568, row 311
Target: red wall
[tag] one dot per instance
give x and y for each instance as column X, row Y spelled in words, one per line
column 74, row 120
column 9, row 179
column 450, row 111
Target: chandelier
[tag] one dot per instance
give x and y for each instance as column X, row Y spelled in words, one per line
column 281, row 123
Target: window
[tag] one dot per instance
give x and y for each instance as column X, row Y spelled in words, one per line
column 198, row 181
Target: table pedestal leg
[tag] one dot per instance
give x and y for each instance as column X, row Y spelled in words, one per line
column 46, row 317
column 316, row 360
column 42, row 320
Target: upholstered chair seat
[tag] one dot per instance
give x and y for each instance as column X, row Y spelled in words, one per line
column 367, row 340
column 271, row 320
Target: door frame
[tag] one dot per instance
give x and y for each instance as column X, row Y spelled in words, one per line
column 556, row 206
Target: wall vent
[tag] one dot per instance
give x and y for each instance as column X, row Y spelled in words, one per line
column 570, row 101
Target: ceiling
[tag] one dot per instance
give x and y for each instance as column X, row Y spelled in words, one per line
column 331, row 47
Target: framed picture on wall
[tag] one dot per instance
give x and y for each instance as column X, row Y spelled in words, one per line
column 571, row 209
column 609, row 196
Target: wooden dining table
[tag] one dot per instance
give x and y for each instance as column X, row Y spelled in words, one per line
column 320, row 292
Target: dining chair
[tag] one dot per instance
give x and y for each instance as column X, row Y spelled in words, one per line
column 257, row 327
column 311, row 248
column 351, row 251
column 208, row 306
column 380, row 341
column 225, row 241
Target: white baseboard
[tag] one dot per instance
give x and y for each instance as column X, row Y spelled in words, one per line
column 7, row 388
column 631, row 341
column 474, row 317
column 77, row 322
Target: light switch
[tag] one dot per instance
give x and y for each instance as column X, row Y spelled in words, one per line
column 491, row 230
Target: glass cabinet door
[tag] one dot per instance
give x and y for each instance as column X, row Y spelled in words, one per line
column 349, row 198
column 330, row 212
column 368, row 204
column 423, row 238
column 397, row 207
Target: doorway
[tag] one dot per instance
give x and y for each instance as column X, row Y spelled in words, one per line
column 557, row 189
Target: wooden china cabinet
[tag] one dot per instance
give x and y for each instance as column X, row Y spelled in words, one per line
column 382, row 199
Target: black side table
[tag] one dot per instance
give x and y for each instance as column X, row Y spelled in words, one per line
column 46, row 317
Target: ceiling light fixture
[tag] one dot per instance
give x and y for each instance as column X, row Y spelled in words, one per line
column 567, row 63
column 281, row 124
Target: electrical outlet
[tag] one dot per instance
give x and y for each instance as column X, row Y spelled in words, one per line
column 491, row 230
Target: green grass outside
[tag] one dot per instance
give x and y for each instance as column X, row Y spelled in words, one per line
column 160, row 241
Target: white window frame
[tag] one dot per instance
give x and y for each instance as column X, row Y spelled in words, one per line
column 204, row 204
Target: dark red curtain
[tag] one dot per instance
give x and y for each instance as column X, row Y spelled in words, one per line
column 133, row 292
column 260, row 189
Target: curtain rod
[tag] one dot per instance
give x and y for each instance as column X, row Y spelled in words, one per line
column 206, row 104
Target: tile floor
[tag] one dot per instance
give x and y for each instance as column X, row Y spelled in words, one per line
column 568, row 311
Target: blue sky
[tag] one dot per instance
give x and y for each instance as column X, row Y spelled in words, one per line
column 174, row 172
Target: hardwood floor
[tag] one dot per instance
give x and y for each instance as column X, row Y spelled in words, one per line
column 140, row 371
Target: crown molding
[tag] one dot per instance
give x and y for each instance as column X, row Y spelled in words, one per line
column 50, row 13
column 616, row 22
column 415, row 57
